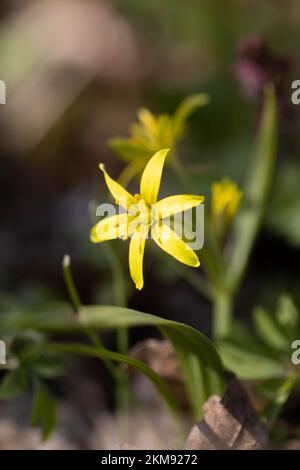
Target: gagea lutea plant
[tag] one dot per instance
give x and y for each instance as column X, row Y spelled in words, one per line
column 233, row 217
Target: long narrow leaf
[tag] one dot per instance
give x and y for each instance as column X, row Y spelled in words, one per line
column 256, row 192
column 201, row 364
column 102, row 353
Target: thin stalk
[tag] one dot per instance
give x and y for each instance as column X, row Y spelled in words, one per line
column 120, row 297
column 101, row 353
column 248, row 222
column 119, row 284
column 197, row 281
column 68, row 277
column 123, row 391
column 76, row 302
column 273, row 410
column 250, row 217
column 222, row 314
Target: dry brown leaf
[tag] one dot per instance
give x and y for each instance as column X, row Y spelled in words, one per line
column 229, row 422
column 160, row 356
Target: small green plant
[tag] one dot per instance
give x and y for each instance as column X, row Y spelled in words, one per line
column 262, row 354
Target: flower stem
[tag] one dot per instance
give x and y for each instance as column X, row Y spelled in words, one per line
column 123, row 391
column 248, row 221
column 222, row 314
column 76, row 302
column 68, row 277
column 120, row 297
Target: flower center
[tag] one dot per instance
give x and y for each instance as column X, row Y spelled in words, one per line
column 142, row 211
column 145, row 217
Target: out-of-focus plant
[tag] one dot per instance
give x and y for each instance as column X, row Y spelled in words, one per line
column 225, row 202
column 152, row 133
column 284, row 206
column 28, row 367
column 263, row 356
column 233, row 225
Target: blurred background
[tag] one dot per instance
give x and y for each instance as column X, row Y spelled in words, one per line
column 76, row 72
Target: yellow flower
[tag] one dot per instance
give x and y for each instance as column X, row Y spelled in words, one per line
column 151, row 133
column 142, row 213
column 226, row 198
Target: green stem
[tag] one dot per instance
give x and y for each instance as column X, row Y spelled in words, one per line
column 101, row 353
column 120, row 296
column 76, row 302
column 119, row 285
column 197, row 281
column 123, row 390
column 194, row 279
column 273, row 410
column 211, row 257
column 249, row 220
column 68, row 277
column 222, row 314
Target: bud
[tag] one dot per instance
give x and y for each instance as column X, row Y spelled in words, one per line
column 226, row 198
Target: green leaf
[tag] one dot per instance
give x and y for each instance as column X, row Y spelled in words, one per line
column 201, row 364
column 47, row 366
column 129, row 150
column 287, row 316
column 44, row 410
column 249, row 365
column 268, row 330
column 13, row 384
column 55, row 315
column 242, row 336
column 281, row 395
column 284, row 207
column 102, row 353
column 256, row 191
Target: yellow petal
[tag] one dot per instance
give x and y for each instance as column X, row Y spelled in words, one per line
column 116, row 226
column 174, row 204
column 151, row 177
column 171, row 243
column 136, row 255
column 122, row 197
column 149, row 121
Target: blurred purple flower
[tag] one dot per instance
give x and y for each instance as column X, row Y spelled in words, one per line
column 257, row 64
